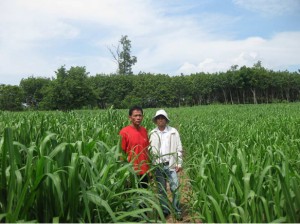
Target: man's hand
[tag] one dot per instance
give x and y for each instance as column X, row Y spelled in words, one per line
column 178, row 169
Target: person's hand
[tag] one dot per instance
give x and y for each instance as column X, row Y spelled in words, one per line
column 178, row 169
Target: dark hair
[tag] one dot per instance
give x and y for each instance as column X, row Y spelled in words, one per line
column 135, row 108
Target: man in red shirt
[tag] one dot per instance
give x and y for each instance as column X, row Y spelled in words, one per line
column 135, row 144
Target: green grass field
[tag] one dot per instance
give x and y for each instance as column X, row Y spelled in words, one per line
column 242, row 162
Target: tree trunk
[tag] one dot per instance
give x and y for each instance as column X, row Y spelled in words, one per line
column 225, row 97
column 231, row 97
column 254, row 96
column 287, row 94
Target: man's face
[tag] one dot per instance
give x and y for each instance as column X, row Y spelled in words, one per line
column 136, row 117
column 161, row 121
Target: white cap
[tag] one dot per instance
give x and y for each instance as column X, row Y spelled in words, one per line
column 161, row 112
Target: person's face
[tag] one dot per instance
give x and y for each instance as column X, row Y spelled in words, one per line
column 136, row 117
column 161, row 121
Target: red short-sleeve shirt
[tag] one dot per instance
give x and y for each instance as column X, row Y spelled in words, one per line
column 135, row 143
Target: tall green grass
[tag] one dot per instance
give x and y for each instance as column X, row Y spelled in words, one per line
column 242, row 162
column 58, row 167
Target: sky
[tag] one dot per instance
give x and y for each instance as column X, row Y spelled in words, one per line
column 170, row 37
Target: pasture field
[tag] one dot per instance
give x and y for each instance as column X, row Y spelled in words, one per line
column 241, row 164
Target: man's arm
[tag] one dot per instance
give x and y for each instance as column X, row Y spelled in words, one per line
column 124, row 141
column 179, row 151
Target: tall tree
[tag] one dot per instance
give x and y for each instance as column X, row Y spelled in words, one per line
column 70, row 90
column 33, row 89
column 122, row 56
column 201, row 87
column 182, row 90
column 10, row 98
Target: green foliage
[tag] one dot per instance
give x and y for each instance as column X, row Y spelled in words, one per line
column 11, row 98
column 126, row 61
column 151, row 90
column 243, row 162
column 74, row 89
column 111, row 90
column 123, row 56
column 70, row 90
column 33, row 90
column 66, row 167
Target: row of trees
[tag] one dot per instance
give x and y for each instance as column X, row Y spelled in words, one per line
column 75, row 89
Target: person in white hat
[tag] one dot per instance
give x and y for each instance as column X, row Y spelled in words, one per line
column 166, row 149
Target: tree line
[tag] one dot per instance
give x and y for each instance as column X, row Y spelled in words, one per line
column 74, row 89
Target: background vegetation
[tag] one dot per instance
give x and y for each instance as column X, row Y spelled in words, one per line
column 242, row 164
column 75, row 89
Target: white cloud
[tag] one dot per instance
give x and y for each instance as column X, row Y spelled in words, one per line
column 38, row 36
column 276, row 53
column 208, row 65
column 270, row 7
